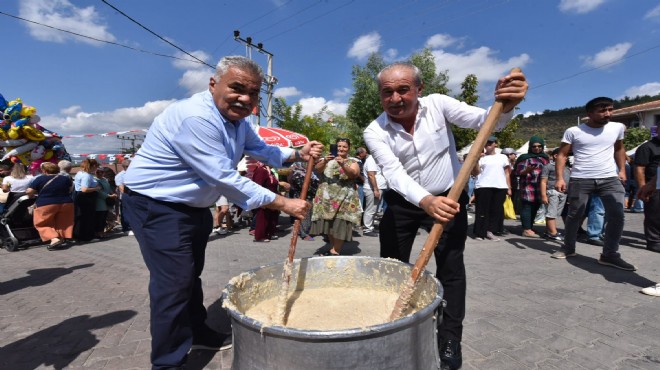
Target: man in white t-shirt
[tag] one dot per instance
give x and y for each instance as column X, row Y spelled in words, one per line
column 598, row 168
column 375, row 185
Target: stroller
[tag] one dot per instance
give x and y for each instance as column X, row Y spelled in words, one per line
column 17, row 226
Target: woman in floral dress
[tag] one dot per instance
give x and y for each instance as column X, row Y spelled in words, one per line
column 336, row 204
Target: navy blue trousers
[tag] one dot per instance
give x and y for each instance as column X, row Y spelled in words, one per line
column 172, row 240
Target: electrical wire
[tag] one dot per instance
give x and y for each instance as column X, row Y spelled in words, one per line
column 155, row 34
column 96, row 39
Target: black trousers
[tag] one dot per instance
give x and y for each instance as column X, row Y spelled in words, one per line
column 489, row 211
column 84, row 216
column 172, row 239
column 398, row 229
column 652, row 221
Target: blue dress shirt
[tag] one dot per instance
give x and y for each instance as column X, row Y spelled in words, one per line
column 190, row 155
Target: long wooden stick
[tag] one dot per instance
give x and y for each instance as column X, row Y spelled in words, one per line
column 280, row 315
column 459, row 183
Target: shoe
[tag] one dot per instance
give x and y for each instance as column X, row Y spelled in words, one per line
column 562, row 253
column 131, row 233
column 309, row 238
column 492, row 237
column 582, row 231
column 251, row 232
column 261, row 241
column 616, row 261
column 542, row 222
column 530, row 234
column 478, row 238
column 596, row 242
column 451, row 357
column 653, row 248
column 211, row 341
column 652, row 290
column 555, row 237
column 504, row 232
column 371, row 233
column 55, row 246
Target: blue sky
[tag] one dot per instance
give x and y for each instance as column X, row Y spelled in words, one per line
column 570, row 50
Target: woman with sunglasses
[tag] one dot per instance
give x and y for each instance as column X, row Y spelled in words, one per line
column 528, row 168
column 336, row 204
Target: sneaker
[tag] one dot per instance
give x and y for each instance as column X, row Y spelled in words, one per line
column 555, row 237
column 211, row 341
column 562, row 253
column 478, row 238
column 596, row 242
column 221, row 231
column 616, row 261
column 131, row 233
column 652, row 290
column 492, row 237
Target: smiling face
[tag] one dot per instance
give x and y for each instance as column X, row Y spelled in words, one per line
column 236, row 93
column 342, row 149
column 399, row 93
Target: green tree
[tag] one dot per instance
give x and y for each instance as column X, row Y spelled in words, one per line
column 635, row 136
column 506, row 138
column 434, row 83
column 465, row 136
column 364, row 106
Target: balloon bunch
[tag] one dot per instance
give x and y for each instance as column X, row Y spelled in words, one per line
column 24, row 140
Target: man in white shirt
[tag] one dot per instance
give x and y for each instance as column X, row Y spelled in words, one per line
column 599, row 159
column 413, row 145
column 374, row 187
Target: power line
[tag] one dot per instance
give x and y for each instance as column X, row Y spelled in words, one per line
column 96, row 39
column 310, row 20
column 155, row 34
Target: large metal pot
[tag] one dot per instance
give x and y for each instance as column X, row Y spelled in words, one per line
column 406, row 343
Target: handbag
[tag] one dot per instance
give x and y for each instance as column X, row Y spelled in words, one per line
column 3, row 196
column 509, row 212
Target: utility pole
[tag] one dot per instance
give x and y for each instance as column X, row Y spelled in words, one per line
column 270, row 79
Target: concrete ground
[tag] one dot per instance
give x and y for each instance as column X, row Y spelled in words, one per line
column 87, row 307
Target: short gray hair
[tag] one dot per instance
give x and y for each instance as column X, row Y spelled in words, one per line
column 64, row 165
column 125, row 163
column 417, row 74
column 237, row 61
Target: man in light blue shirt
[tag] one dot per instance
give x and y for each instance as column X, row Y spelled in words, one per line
column 188, row 159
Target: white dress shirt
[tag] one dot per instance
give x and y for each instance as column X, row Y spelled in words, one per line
column 424, row 163
column 190, row 156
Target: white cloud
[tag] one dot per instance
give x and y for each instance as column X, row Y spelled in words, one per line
column 122, row 119
column 651, row 89
column 440, row 41
column 342, row 93
column 70, row 111
column 196, row 80
column 365, row 45
column 530, row 113
column 311, row 106
column 481, row 62
column 609, row 56
column 64, row 15
column 653, row 13
column 579, row 6
column 390, row 55
column 286, row 92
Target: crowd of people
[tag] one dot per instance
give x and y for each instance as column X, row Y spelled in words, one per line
column 67, row 208
column 402, row 178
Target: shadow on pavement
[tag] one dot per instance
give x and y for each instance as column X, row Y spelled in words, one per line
column 59, row 345
column 349, row 249
column 588, row 264
column 218, row 320
column 38, row 277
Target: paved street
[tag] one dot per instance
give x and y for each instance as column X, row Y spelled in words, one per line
column 87, row 307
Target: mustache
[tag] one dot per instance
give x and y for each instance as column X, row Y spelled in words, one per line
column 240, row 105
